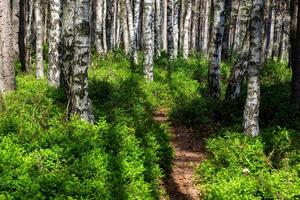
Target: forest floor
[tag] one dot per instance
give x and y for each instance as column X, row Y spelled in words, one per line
column 188, row 153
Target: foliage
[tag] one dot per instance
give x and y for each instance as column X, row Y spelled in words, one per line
column 122, row 156
column 239, row 167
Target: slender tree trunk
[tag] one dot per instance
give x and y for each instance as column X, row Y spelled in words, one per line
column 225, row 47
column 187, row 23
column 148, row 34
column 104, row 26
column 206, row 29
column 267, row 31
column 214, row 72
column 76, row 54
column 170, row 29
column 99, row 26
column 15, row 13
column 125, row 28
column 22, row 35
column 136, row 21
column 54, row 69
column 238, row 71
column 29, row 33
column 251, row 110
column 39, row 40
column 157, row 27
column 176, row 28
column 133, row 52
column 295, row 52
column 293, row 29
column 233, row 38
column 165, row 26
column 7, row 73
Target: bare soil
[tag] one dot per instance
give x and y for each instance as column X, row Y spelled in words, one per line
column 189, row 151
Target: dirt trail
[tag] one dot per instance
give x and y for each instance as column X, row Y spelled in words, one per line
column 180, row 185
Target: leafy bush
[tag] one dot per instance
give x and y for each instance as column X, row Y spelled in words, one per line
column 239, row 167
column 44, row 156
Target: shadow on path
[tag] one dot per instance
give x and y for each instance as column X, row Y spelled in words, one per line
column 189, row 152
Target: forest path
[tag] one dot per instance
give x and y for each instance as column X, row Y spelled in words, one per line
column 180, row 184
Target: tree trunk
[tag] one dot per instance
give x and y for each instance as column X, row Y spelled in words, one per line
column 251, row 110
column 54, row 69
column 148, row 34
column 170, row 29
column 165, row 26
column 267, row 31
column 187, row 23
column 104, row 26
column 206, row 28
column 295, row 52
column 22, row 35
column 7, row 74
column 157, row 28
column 29, row 33
column 76, row 56
column 136, row 21
column 214, row 73
column 15, row 13
column 225, row 47
column 125, row 29
column 133, row 52
column 39, row 40
column 99, row 26
column 238, row 72
column 176, row 28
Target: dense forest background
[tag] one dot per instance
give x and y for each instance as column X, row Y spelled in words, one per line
column 149, row 99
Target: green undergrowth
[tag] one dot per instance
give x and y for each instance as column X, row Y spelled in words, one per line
column 265, row 167
column 126, row 154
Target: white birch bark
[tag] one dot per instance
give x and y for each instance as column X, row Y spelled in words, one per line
column 39, row 40
column 165, row 27
column 170, row 29
column 99, row 26
column 158, row 27
column 251, row 110
column 176, row 28
column 206, row 28
column 136, row 20
column 214, row 72
column 187, row 24
column 54, row 69
column 148, row 34
column 76, row 54
column 132, row 41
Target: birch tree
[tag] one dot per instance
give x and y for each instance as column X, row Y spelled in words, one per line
column 214, row 72
column 157, row 27
column 7, row 74
column 132, row 40
column 54, row 68
column 39, row 39
column 148, row 33
column 187, row 23
column 176, row 28
column 76, row 56
column 170, row 38
column 99, row 25
column 251, row 110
